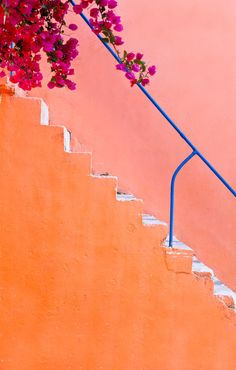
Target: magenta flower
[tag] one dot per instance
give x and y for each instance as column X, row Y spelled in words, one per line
column 73, row 27
column 103, row 2
column 94, row 12
column 130, row 75
column 118, row 41
column 33, row 29
column 152, row 70
column 145, row 81
column 118, row 27
column 112, row 4
column 71, row 85
column 135, row 67
column 121, row 67
column 51, row 85
column 78, row 9
column 139, row 56
column 133, row 82
column 130, row 56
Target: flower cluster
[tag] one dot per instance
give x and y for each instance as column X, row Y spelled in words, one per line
column 105, row 21
column 29, row 28
column 135, row 68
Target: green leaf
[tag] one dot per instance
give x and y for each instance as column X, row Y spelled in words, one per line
column 105, row 39
column 137, row 61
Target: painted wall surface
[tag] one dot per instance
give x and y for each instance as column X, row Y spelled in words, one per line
column 193, row 44
column 80, row 292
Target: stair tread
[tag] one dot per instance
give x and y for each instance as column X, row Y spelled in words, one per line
column 178, row 244
column 99, row 176
column 125, row 197
column 149, row 220
column 199, row 266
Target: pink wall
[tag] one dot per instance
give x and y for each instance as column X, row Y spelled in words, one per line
column 193, row 44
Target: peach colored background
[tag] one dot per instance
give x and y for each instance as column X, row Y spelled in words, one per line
column 193, row 44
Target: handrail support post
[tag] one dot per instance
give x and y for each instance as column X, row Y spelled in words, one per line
column 172, row 195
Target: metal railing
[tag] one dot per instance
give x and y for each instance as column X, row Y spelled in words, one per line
column 195, row 151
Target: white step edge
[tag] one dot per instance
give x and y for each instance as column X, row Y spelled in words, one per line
column 123, row 197
column 44, row 118
column 178, row 244
column 222, row 289
column 102, row 176
column 198, row 266
column 67, row 140
column 149, row 220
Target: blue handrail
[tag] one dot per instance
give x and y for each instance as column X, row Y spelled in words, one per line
column 195, row 151
column 172, row 194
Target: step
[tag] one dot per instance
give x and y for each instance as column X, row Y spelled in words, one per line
column 123, row 197
column 149, row 220
column 177, row 244
column 220, row 289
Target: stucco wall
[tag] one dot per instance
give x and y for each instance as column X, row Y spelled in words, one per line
column 193, row 45
column 81, row 292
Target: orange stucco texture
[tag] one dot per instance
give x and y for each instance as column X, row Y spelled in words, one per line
column 193, row 45
column 83, row 284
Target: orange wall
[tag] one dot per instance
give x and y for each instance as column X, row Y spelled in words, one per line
column 80, row 292
column 193, row 44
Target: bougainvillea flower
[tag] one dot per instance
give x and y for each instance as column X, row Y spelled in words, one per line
column 30, row 27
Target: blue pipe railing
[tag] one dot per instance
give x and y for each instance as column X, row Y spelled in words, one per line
column 172, row 194
column 195, row 151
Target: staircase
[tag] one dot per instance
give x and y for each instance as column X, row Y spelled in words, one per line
column 86, row 279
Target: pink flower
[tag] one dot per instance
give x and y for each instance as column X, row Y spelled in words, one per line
column 118, row 27
column 130, row 56
column 78, row 9
column 103, row 2
column 133, row 82
column 73, row 27
column 112, row 4
column 94, row 12
column 84, row 4
column 121, row 67
column 135, row 67
column 71, row 85
column 145, row 81
column 59, row 54
column 29, row 29
column 118, row 41
column 139, row 56
column 130, row 75
column 152, row 70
